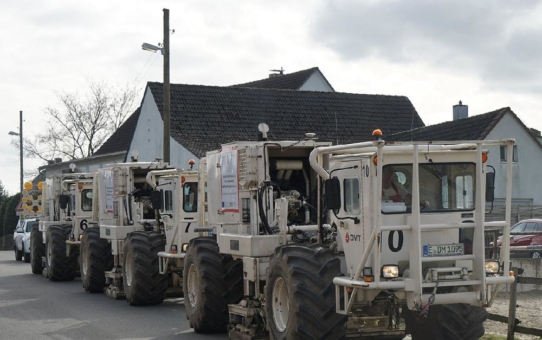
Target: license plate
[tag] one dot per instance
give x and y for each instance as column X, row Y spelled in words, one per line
column 444, row 250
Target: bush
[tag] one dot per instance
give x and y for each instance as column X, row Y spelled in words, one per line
column 10, row 216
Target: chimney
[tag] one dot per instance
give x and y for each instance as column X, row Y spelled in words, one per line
column 58, row 160
column 50, row 161
column 277, row 73
column 461, row 111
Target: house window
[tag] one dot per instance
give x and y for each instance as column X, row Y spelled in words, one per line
column 514, row 153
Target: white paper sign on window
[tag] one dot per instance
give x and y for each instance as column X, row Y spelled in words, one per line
column 109, row 190
column 230, row 180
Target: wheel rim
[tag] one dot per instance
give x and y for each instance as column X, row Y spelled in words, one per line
column 536, row 255
column 129, row 269
column 192, row 285
column 84, row 265
column 280, row 304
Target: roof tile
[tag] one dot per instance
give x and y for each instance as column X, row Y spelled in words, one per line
column 121, row 139
column 203, row 117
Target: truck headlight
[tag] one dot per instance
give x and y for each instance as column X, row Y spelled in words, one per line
column 184, row 247
column 492, row 267
column 390, row 271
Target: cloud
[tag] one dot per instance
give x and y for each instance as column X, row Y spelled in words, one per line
column 498, row 41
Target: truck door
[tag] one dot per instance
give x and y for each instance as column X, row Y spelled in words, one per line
column 167, row 189
column 180, row 209
column 349, row 218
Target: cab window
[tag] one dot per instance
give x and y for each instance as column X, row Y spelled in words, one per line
column 351, row 195
column 168, row 200
column 86, row 199
column 190, row 197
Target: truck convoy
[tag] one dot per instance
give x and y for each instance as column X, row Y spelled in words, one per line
column 346, row 240
column 292, row 239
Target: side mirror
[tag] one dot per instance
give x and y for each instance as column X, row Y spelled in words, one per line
column 490, row 187
column 19, row 230
column 63, row 201
column 333, row 193
column 156, row 200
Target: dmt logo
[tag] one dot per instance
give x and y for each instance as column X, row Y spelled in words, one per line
column 352, row 237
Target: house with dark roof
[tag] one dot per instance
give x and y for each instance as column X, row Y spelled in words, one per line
column 203, row 117
column 311, row 79
column 496, row 125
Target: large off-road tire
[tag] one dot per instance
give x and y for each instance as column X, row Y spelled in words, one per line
column 37, row 250
column 59, row 266
column 95, row 259
column 18, row 253
column 143, row 283
column 210, row 283
column 300, row 294
column 446, row 322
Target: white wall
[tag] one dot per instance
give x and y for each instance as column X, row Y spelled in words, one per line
column 148, row 137
column 527, row 183
column 316, row 82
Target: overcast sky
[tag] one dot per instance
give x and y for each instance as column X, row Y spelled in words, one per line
column 486, row 53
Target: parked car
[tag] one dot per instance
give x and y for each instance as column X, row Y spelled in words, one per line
column 526, row 240
column 21, row 239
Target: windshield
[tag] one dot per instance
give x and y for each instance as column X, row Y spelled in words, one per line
column 30, row 225
column 443, row 187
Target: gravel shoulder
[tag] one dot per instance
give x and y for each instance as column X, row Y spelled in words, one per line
column 528, row 311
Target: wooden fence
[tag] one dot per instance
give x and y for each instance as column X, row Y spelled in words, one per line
column 511, row 320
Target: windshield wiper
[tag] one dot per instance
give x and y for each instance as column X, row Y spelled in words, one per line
column 435, row 169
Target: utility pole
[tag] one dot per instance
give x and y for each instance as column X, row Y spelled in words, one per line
column 21, row 147
column 167, row 101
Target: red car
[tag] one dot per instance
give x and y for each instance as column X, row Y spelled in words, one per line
column 526, row 240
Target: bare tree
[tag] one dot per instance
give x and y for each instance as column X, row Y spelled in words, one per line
column 81, row 124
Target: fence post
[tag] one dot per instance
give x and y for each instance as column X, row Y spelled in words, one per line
column 512, row 307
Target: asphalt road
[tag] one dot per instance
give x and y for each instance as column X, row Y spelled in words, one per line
column 32, row 307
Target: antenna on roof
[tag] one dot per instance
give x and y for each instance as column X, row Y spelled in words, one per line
column 263, row 128
column 278, row 73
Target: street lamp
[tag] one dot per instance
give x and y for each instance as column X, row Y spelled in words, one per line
column 20, row 134
column 165, row 52
column 152, row 48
